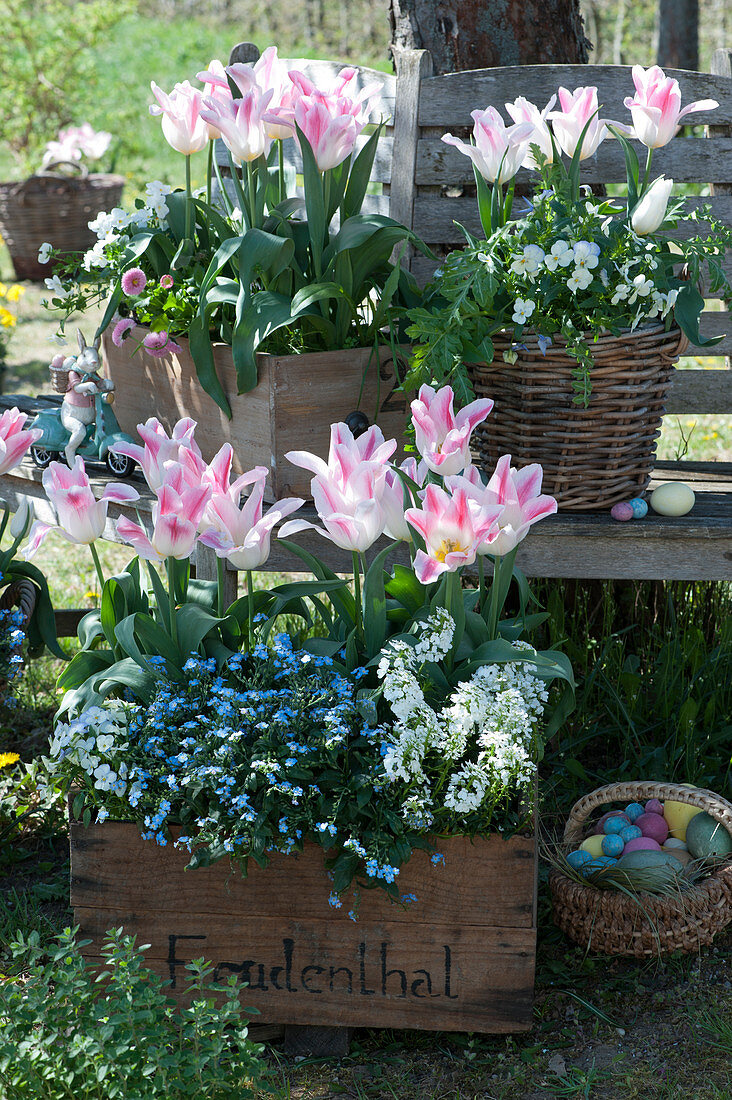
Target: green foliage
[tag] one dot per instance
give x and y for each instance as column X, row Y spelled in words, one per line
column 48, row 67
column 63, row 1034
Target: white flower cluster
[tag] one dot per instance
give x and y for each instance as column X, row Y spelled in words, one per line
column 109, row 226
column 94, row 742
column 478, row 746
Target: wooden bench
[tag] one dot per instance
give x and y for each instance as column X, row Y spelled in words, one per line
column 429, row 186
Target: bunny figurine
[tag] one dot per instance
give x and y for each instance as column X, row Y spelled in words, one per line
column 84, row 384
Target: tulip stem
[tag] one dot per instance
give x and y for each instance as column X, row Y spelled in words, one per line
column 209, row 172
column 494, row 609
column 189, row 201
column 481, row 583
column 97, row 566
column 357, row 593
column 170, row 571
column 647, row 175
column 281, row 167
column 250, row 606
column 252, row 189
column 220, row 576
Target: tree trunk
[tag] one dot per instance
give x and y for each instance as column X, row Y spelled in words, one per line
column 678, row 34
column 476, row 34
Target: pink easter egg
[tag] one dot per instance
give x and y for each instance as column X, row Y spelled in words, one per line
column 622, row 511
column 641, row 844
column 653, row 806
column 599, row 827
column 653, row 825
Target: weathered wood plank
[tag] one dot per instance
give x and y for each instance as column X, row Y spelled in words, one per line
column 700, row 391
column 155, row 879
column 425, row 968
column 691, row 160
column 412, row 67
column 449, row 98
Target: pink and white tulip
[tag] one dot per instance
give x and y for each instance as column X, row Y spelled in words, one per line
column 518, row 492
column 159, row 449
column 396, row 498
column 346, row 453
column 350, row 511
column 452, row 530
column 215, row 87
column 443, row 436
column 241, row 123
column 242, row 535
column 176, row 516
column 577, row 109
column 656, row 106
column 81, row 517
column 499, row 150
column 521, row 110
column 183, row 127
column 15, row 439
column 271, row 72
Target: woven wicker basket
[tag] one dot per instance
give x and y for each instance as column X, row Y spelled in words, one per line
column 613, row 923
column 54, row 208
column 594, row 457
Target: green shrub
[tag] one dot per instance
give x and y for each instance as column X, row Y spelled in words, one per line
column 67, row 1033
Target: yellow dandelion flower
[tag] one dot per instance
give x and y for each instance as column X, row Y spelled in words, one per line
column 7, row 319
column 15, row 292
column 3, row 289
column 8, row 758
column 91, row 595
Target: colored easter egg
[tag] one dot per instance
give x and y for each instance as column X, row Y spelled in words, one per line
column 600, row 826
column 612, row 845
column 630, row 832
column 674, row 498
column 654, row 826
column 678, row 815
column 706, row 838
column 634, row 810
column 622, row 511
column 640, row 860
column 593, row 845
column 615, row 824
column 672, row 842
column 639, row 506
column 654, row 806
column 578, row 859
column 642, row 843
column 681, row 854
column 598, row 864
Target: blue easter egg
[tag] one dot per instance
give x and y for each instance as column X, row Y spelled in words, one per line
column 612, row 844
column 578, row 859
column 639, row 506
column 634, row 811
column 614, row 825
column 630, row 832
column 598, row 864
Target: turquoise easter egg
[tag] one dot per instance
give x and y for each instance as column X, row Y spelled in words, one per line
column 639, row 506
column 614, row 825
column 634, row 811
column 578, row 859
column 612, row 844
column 598, row 864
column 630, row 832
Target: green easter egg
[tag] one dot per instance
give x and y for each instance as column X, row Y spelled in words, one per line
column 640, row 860
column 706, row 838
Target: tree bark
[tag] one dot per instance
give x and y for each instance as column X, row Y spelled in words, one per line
column 476, row 34
column 678, row 34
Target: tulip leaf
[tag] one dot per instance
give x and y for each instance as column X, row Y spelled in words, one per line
column 360, row 175
column 687, row 312
column 177, row 204
column 574, row 165
column 194, row 624
column 341, row 597
column 141, row 637
column 314, row 201
column 335, row 180
column 374, row 604
column 89, row 629
column 199, row 341
column 404, row 587
column 632, row 167
column 82, row 666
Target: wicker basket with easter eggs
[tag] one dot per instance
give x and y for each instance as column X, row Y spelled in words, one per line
column 644, row 869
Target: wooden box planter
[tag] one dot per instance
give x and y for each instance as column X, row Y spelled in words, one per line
column 460, row 958
column 292, row 407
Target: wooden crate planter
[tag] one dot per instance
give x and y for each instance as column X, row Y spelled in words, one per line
column 460, row 958
column 292, row 407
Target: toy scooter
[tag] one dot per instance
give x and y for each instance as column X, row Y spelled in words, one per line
column 103, row 431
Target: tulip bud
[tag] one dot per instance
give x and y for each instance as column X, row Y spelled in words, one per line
column 21, row 520
column 649, row 213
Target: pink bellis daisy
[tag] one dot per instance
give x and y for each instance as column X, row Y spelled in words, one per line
column 134, row 282
column 166, row 281
column 120, row 330
column 159, row 344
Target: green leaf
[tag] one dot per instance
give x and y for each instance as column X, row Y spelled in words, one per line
column 199, row 341
column 374, row 604
column 632, row 167
column 82, row 666
column 405, row 587
column 194, row 624
column 314, row 201
column 687, row 313
column 360, row 176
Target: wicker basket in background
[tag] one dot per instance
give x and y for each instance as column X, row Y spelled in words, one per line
column 55, row 208
column 594, row 457
column 611, row 922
